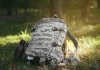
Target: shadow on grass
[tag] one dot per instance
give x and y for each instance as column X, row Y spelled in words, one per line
column 7, row 61
column 14, row 28
column 90, row 61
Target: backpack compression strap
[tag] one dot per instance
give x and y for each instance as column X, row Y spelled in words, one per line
column 73, row 39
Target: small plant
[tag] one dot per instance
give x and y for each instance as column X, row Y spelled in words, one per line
column 24, row 35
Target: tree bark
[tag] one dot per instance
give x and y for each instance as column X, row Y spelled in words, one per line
column 98, row 2
column 9, row 10
column 55, row 8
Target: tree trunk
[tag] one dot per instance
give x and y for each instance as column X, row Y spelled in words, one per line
column 98, row 2
column 16, row 11
column 85, row 10
column 9, row 10
column 55, row 8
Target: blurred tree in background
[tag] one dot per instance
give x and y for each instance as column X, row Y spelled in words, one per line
column 98, row 1
column 12, row 6
column 68, row 9
column 55, row 7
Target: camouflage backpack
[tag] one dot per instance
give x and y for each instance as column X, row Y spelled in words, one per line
column 47, row 39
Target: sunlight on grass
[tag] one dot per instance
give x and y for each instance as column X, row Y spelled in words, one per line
column 84, row 29
column 14, row 38
column 88, row 51
column 85, row 44
column 88, row 29
column 88, row 44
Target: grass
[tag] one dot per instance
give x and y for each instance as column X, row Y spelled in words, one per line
column 11, row 33
column 89, row 52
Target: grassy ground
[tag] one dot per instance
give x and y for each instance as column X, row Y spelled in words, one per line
column 11, row 33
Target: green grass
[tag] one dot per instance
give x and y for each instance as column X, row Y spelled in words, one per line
column 88, row 51
column 11, row 34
